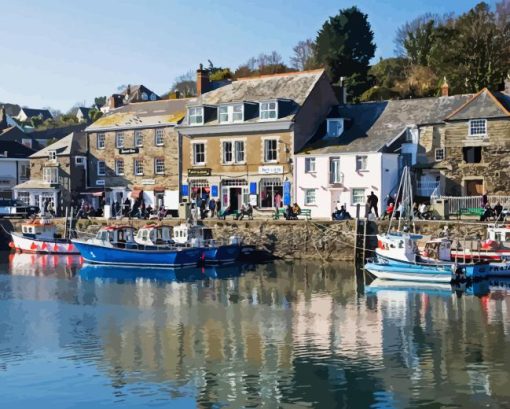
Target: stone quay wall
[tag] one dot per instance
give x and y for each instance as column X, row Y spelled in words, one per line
column 323, row 241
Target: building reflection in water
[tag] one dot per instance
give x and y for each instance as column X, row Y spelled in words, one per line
column 291, row 333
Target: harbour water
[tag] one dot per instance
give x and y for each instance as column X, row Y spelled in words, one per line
column 286, row 335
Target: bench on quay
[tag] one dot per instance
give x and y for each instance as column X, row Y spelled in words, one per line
column 222, row 214
column 305, row 214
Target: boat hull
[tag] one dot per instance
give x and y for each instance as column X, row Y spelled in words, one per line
column 406, row 273
column 172, row 258
column 33, row 245
column 222, row 254
column 493, row 269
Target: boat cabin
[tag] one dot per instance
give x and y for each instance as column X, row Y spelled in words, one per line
column 116, row 236
column 195, row 235
column 152, row 235
column 497, row 233
column 398, row 246
column 40, row 229
column 438, row 249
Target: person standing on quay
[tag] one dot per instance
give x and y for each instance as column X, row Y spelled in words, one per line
column 373, row 202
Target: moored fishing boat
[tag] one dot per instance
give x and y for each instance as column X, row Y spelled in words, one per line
column 213, row 251
column 115, row 245
column 40, row 236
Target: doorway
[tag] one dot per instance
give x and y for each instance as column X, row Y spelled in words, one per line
column 474, row 187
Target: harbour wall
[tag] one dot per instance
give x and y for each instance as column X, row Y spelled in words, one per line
column 323, row 241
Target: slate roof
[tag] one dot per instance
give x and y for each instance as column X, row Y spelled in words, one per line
column 75, row 143
column 143, row 115
column 15, row 134
column 135, row 93
column 15, row 149
column 370, row 126
column 484, row 104
column 31, row 112
column 84, row 111
column 295, row 86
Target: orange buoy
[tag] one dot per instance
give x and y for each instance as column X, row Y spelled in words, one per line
column 33, row 246
column 11, row 244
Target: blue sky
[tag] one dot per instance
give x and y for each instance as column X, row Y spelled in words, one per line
column 59, row 52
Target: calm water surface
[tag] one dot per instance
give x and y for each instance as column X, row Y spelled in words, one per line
column 283, row 335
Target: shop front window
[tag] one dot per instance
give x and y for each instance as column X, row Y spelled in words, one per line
column 271, row 193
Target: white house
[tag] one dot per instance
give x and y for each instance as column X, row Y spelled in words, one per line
column 14, row 166
column 354, row 153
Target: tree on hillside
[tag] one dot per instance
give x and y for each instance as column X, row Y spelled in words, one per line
column 483, row 48
column 304, row 56
column 415, row 39
column 271, row 63
column 218, row 73
column 99, row 101
column 95, row 114
column 345, row 46
column 185, row 84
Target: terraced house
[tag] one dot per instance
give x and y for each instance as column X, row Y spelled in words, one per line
column 239, row 140
column 134, row 153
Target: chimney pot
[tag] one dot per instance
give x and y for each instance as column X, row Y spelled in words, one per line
column 444, row 88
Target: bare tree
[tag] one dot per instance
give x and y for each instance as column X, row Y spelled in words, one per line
column 185, row 84
column 303, row 58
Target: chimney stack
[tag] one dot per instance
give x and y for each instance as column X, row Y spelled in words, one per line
column 444, row 88
column 507, row 84
column 202, row 80
column 3, row 118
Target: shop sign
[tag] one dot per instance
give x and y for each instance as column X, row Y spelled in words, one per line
column 100, row 182
column 148, row 181
column 128, row 151
column 199, row 172
column 270, row 170
column 253, row 200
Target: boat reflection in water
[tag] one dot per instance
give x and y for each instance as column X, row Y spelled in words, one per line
column 126, row 273
column 477, row 288
column 48, row 265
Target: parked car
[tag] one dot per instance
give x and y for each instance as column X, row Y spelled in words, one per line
column 16, row 208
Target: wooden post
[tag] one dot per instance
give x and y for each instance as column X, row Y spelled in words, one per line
column 65, row 223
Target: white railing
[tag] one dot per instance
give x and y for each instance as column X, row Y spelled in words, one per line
column 426, row 188
column 456, row 203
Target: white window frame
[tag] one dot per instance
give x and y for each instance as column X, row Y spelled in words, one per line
column 195, row 113
column 266, row 110
column 335, row 175
column 363, row 196
column 119, row 172
column 79, row 160
column 265, row 151
column 440, row 157
column 224, row 152
column 477, row 124
column 329, row 121
column 101, row 140
column 193, row 153
column 237, row 144
column 364, row 162
column 230, row 112
column 138, row 139
column 119, row 136
column 52, row 155
column 137, row 164
column 98, row 168
column 159, row 133
column 50, row 175
column 307, row 198
column 310, row 165
column 159, row 162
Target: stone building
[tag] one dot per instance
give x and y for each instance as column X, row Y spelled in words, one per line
column 14, row 166
column 134, row 153
column 58, row 173
column 239, row 140
column 468, row 152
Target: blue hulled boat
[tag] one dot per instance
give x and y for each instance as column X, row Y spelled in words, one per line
column 115, row 245
column 201, row 236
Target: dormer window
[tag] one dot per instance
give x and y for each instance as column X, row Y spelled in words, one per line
column 268, row 111
column 231, row 113
column 52, row 155
column 335, row 127
column 145, row 97
column 196, row 116
column 478, row 127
